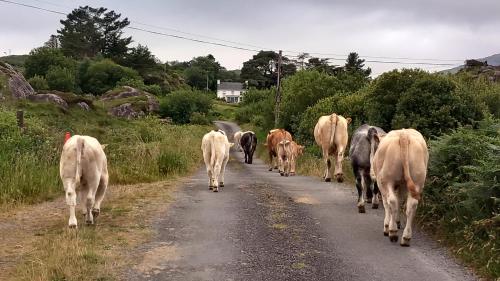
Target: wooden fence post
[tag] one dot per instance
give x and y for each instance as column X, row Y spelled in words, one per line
column 20, row 119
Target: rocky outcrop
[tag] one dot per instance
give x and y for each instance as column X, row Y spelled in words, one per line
column 83, row 105
column 50, row 98
column 18, row 86
column 136, row 103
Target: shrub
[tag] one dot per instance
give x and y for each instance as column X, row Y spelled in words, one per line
column 61, row 79
column 41, row 59
column 101, row 76
column 257, row 106
column 461, row 198
column 180, row 105
column 198, row 118
column 38, row 83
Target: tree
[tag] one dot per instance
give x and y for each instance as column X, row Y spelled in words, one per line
column 320, row 65
column 143, row 61
column 89, row 31
column 261, row 70
column 41, row 59
column 61, row 79
column 200, row 70
column 53, row 42
column 355, row 65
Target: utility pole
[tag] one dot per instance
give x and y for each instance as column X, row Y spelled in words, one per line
column 278, row 93
column 207, row 81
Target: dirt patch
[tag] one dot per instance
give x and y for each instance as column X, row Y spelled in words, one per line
column 306, row 200
column 154, row 260
column 36, row 243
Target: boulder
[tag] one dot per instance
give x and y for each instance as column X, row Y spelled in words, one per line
column 83, row 105
column 50, row 98
column 18, row 86
column 124, row 110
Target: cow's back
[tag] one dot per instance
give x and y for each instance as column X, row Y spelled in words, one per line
column 323, row 130
column 360, row 147
column 92, row 157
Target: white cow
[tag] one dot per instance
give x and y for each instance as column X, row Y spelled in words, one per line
column 83, row 168
column 236, row 139
column 215, row 147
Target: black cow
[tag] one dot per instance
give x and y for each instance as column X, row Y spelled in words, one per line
column 361, row 153
column 248, row 142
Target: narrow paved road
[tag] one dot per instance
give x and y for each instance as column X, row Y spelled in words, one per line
column 262, row 226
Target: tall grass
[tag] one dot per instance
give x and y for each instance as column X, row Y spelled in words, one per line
column 142, row 150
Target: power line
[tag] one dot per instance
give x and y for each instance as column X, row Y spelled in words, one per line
column 237, row 43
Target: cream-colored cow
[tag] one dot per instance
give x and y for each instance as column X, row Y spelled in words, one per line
column 236, row 139
column 215, row 147
column 330, row 134
column 288, row 152
column 83, row 168
column 400, row 167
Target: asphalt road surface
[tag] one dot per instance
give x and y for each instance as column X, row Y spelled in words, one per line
column 262, row 226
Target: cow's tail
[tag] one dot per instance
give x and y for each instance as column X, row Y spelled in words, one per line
column 404, row 143
column 333, row 119
column 212, row 153
column 79, row 151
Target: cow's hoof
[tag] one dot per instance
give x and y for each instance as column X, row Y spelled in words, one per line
column 328, row 180
column 221, row 184
column 216, row 189
column 340, row 179
column 282, row 174
column 88, row 222
column 393, row 236
column 399, row 224
column 96, row 213
column 386, row 233
column 210, row 188
column 405, row 242
column 361, row 209
column 287, row 174
column 375, row 206
column 73, row 226
column 270, row 169
column 369, row 200
column 276, row 167
column 292, row 174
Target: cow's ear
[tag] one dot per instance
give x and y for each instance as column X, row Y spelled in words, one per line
column 104, row 146
column 349, row 120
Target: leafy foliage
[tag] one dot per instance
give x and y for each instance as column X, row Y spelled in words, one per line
column 463, row 190
column 98, row 77
column 38, row 83
column 261, row 70
column 257, row 107
column 41, row 59
column 61, row 79
column 181, row 105
column 89, row 31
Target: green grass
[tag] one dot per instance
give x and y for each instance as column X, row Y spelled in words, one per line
column 142, row 150
column 225, row 111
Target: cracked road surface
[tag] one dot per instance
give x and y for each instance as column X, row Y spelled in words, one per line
column 262, row 226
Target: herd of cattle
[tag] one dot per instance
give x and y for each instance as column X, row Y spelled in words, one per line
column 393, row 164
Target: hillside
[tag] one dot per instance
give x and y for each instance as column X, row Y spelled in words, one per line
column 493, row 60
column 17, row 61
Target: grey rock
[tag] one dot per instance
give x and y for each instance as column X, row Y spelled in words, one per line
column 49, row 98
column 83, row 105
column 18, row 86
column 124, row 110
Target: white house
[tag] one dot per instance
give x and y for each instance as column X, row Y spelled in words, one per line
column 232, row 92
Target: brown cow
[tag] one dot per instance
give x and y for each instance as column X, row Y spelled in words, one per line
column 400, row 167
column 330, row 134
column 273, row 138
column 288, row 152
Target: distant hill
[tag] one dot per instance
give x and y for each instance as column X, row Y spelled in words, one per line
column 17, row 61
column 493, row 60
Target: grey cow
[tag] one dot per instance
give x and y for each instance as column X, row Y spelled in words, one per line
column 361, row 153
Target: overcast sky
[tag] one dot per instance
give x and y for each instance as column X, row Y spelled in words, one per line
column 423, row 29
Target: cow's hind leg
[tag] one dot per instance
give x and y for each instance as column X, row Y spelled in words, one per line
column 223, row 171
column 393, row 202
column 387, row 215
column 93, row 184
column 99, row 196
column 328, row 163
column 339, row 174
column 411, row 209
column 71, row 202
column 376, row 195
column 359, row 188
column 270, row 161
column 361, row 201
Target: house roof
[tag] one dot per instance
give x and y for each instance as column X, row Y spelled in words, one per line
column 230, row 86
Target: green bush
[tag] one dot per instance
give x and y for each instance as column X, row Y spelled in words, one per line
column 42, row 59
column 198, row 118
column 38, row 83
column 180, row 105
column 462, row 194
column 98, row 77
column 257, row 106
column 61, row 79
